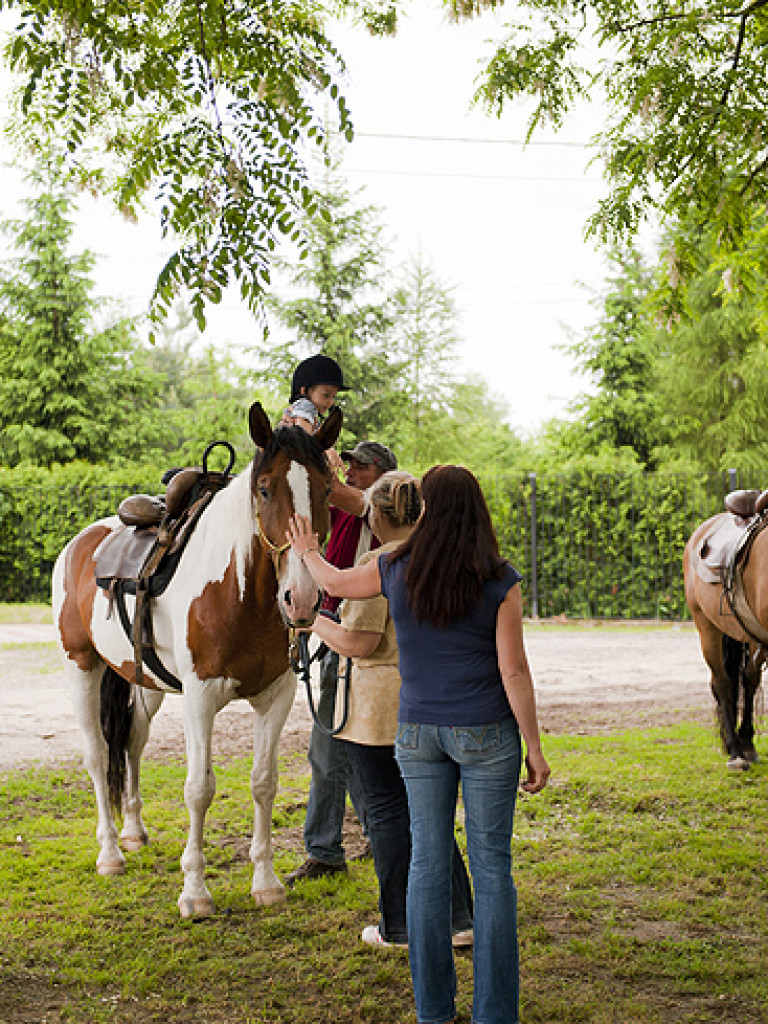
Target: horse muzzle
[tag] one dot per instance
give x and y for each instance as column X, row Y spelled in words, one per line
column 297, row 611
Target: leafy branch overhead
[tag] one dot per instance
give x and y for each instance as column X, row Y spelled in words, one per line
column 686, row 91
column 206, row 105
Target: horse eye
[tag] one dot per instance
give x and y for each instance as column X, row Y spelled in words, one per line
column 263, row 493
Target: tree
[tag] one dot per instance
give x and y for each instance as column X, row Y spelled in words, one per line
column 340, row 307
column 619, row 354
column 67, row 389
column 425, row 337
column 686, row 91
column 713, row 370
column 206, row 102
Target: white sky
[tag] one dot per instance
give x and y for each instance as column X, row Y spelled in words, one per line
column 500, row 224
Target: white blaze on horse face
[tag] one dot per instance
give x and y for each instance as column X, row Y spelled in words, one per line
column 297, row 579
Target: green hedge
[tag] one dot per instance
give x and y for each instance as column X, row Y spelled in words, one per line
column 40, row 510
column 607, row 546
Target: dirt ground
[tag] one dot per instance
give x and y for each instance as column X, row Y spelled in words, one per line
column 589, row 679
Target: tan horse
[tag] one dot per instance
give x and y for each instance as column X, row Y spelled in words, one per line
column 221, row 628
column 735, row 656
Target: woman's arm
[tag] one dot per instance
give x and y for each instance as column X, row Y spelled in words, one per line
column 360, row 581
column 518, row 686
column 347, row 642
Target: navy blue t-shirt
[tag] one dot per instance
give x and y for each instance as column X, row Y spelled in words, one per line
column 450, row 676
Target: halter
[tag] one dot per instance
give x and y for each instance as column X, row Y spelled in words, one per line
column 274, row 549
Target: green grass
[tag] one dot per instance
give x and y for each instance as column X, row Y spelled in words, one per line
column 641, row 874
column 14, row 613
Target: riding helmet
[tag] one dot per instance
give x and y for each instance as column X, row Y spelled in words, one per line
column 317, row 369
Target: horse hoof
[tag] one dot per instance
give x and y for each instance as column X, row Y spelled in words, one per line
column 115, row 867
column 738, row 764
column 202, row 906
column 751, row 756
column 132, row 844
column 269, row 897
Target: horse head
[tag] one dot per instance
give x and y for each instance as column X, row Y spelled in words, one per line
column 290, row 473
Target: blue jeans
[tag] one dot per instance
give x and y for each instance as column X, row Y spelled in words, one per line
column 485, row 759
column 330, row 777
column 375, row 771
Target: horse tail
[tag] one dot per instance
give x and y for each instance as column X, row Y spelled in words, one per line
column 116, row 719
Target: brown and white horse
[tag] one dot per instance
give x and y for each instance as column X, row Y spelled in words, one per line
column 734, row 657
column 221, row 628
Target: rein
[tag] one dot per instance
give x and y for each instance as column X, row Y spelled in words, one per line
column 301, row 662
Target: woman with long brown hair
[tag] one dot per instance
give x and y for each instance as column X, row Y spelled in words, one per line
column 466, row 697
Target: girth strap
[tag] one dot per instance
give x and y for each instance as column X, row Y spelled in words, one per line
column 147, row 654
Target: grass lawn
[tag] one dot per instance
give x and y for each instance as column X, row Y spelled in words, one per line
column 641, row 874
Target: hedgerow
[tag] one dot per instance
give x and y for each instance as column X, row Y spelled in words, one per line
column 588, row 545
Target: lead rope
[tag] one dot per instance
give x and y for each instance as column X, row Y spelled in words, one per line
column 301, row 662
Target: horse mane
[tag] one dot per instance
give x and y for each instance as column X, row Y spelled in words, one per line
column 297, row 444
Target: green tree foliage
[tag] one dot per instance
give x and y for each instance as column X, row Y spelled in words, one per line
column 425, row 336
column 713, row 371
column 618, row 354
column 68, row 390
column 208, row 103
column 686, row 91
column 336, row 304
column 680, row 380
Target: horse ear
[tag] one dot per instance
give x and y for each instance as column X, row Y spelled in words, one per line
column 258, row 422
column 329, row 431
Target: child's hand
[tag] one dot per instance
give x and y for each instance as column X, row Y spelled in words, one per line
column 335, row 461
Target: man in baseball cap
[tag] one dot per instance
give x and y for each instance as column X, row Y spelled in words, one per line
column 371, row 453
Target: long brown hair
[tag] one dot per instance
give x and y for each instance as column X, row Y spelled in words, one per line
column 453, row 551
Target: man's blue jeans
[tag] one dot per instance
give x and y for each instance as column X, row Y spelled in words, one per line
column 375, row 771
column 330, row 778
column 485, row 760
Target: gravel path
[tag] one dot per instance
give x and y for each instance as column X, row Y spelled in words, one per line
column 589, row 679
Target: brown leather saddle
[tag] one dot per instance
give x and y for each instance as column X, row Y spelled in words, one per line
column 142, row 555
column 724, row 550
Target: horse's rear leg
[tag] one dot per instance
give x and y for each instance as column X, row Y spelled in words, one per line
column 85, row 693
column 726, row 684
column 146, row 704
column 272, row 708
column 751, row 682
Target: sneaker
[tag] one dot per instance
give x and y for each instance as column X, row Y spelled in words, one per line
column 463, row 938
column 312, row 868
column 372, row 937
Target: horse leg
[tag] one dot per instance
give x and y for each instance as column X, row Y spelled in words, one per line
column 145, row 706
column 202, row 700
column 751, row 682
column 272, row 708
column 85, row 693
column 725, row 686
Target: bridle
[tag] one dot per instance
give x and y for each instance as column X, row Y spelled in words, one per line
column 274, row 549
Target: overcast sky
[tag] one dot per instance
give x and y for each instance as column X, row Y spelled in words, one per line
column 500, row 224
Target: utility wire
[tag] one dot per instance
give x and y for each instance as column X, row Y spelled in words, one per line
column 477, row 177
column 472, row 140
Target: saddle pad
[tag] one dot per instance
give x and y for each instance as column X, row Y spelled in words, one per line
column 716, row 547
column 122, row 553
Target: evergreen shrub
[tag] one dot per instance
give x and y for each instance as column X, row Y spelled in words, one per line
column 608, row 546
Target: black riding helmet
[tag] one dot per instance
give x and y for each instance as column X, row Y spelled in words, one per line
column 317, row 369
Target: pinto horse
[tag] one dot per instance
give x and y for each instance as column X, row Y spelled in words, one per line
column 221, row 627
column 734, row 655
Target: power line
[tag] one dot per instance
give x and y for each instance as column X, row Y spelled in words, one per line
column 477, row 177
column 472, row 140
